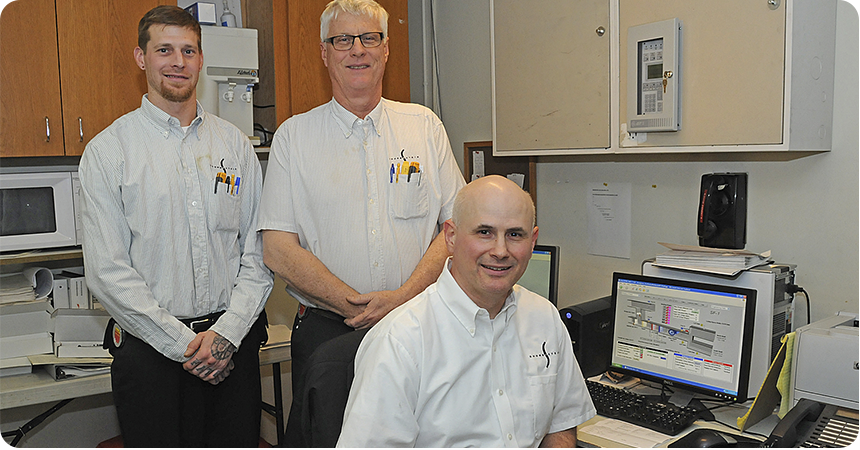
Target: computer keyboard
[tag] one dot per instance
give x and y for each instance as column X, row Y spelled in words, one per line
column 637, row 409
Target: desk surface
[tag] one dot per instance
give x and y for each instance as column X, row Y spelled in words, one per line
column 726, row 414
column 39, row 387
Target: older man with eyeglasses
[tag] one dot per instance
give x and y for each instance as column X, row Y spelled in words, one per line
column 355, row 194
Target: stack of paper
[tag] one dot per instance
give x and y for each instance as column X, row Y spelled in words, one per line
column 710, row 260
column 34, row 283
column 14, row 288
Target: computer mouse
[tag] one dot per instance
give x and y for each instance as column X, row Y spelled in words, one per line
column 707, row 437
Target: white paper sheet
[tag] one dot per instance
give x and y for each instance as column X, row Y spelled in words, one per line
column 609, row 211
column 626, row 433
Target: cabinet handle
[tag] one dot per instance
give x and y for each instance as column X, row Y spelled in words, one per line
column 81, row 128
column 47, row 130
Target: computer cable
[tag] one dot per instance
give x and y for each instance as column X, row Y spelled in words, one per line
column 792, row 289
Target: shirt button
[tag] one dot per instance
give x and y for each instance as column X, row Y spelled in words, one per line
column 510, row 436
column 372, row 201
column 494, row 349
column 194, row 203
column 376, row 264
column 369, row 171
column 501, row 392
column 373, row 232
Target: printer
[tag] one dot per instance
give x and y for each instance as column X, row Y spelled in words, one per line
column 824, row 365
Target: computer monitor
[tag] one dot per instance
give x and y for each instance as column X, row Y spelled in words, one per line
column 685, row 335
column 541, row 276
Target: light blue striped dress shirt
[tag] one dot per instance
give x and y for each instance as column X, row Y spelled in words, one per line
column 169, row 226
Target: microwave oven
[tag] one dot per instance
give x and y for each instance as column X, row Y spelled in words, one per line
column 39, row 210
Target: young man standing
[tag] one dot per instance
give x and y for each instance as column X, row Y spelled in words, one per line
column 170, row 198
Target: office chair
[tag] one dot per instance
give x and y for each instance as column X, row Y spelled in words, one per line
column 327, row 381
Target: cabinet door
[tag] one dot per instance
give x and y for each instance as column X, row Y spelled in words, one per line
column 732, row 65
column 30, row 117
column 302, row 69
column 99, row 77
column 550, row 75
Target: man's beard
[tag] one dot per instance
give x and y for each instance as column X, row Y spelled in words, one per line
column 176, row 95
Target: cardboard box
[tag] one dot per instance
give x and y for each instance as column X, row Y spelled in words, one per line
column 30, row 344
column 204, row 13
column 79, row 325
column 20, row 319
column 87, row 349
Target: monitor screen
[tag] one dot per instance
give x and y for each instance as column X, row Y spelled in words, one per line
column 541, row 276
column 682, row 334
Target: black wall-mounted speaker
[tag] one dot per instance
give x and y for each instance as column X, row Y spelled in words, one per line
column 722, row 212
column 590, row 327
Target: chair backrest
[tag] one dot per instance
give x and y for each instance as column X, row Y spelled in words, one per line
column 327, row 381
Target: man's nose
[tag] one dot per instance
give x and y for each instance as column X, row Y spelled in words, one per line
column 500, row 248
column 178, row 60
column 358, row 47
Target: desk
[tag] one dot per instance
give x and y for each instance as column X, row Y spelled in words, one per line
column 38, row 387
column 726, row 414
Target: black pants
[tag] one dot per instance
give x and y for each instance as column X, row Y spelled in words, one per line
column 309, row 332
column 159, row 404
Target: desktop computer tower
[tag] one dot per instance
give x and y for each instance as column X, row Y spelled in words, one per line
column 774, row 308
column 590, row 327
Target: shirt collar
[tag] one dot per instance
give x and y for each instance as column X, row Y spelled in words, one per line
column 164, row 121
column 345, row 119
column 463, row 308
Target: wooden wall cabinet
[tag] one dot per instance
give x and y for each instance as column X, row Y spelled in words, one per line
column 550, row 75
column 66, row 72
column 754, row 76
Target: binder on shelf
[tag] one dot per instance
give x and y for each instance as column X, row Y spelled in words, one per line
column 61, row 292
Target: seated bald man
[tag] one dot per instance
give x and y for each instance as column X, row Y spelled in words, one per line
column 475, row 360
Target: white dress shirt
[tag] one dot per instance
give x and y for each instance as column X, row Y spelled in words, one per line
column 343, row 185
column 438, row 372
column 169, row 226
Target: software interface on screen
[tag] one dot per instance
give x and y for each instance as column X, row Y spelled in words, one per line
column 538, row 277
column 681, row 333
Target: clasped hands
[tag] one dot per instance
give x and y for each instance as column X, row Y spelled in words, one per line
column 376, row 306
column 210, row 357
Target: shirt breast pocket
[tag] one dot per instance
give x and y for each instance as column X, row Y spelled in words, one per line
column 542, row 390
column 225, row 212
column 408, row 200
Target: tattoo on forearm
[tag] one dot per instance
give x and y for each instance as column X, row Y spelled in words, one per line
column 222, row 348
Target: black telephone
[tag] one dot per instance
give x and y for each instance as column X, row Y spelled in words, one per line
column 814, row 424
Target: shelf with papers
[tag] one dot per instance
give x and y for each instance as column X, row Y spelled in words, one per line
column 38, row 256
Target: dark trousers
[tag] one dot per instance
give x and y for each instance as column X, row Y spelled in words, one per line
column 159, row 404
column 309, row 332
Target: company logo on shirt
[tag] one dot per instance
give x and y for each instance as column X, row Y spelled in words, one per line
column 404, row 169
column 227, row 177
column 544, row 354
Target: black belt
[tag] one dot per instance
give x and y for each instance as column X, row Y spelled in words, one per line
column 201, row 324
column 305, row 310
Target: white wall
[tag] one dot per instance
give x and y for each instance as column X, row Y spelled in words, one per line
column 805, row 210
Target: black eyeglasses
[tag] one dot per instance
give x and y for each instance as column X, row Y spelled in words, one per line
column 346, row 41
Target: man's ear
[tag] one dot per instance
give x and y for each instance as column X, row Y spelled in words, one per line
column 450, row 231
column 534, row 238
column 138, row 57
column 323, row 50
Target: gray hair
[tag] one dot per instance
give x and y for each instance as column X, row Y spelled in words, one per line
column 368, row 8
